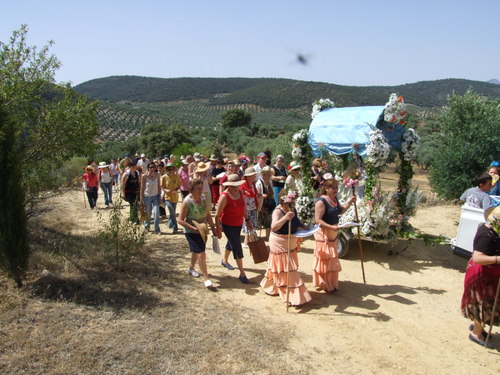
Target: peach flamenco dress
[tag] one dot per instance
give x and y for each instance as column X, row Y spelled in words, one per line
column 326, row 265
column 275, row 279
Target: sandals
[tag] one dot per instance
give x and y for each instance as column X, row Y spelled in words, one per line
column 480, row 342
column 483, row 332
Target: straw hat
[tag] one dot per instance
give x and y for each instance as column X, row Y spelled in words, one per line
column 202, row 167
column 237, row 162
column 267, row 169
column 233, row 180
column 294, row 165
column 88, row 168
column 250, row 172
column 103, row 164
column 203, row 229
column 492, row 213
column 317, row 162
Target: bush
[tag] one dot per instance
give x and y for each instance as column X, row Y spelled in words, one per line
column 71, row 170
column 121, row 239
column 467, row 144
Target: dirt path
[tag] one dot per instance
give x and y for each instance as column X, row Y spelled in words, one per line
column 406, row 319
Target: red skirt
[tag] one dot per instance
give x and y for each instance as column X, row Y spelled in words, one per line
column 480, row 286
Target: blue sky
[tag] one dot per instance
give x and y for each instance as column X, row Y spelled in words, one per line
column 352, row 42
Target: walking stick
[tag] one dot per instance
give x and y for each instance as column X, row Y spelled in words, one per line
column 288, row 266
column 84, row 201
column 359, row 237
column 493, row 315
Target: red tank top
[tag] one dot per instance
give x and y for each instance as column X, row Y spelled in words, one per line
column 234, row 211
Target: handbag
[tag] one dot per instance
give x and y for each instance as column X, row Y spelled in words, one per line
column 215, row 245
column 258, row 248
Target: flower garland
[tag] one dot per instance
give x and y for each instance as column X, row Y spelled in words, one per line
column 395, row 110
column 320, row 105
column 302, row 153
column 378, row 149
column 411, row 142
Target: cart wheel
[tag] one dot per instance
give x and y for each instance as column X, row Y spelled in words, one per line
column 342, row 245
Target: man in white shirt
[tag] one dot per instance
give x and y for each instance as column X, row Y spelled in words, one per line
column 143, row 163
column 261, row 163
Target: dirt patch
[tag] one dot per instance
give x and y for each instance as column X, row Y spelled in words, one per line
column 81, row 317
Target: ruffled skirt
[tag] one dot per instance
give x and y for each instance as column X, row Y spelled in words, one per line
column 480, row 286
column 276, row 277
column 326, row 265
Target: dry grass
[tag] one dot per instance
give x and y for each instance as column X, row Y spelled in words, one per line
column 77, row 315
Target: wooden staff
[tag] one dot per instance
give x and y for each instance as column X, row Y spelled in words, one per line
column 288, row 266
column 84, row 199
column 359, row 236
column 492, row 315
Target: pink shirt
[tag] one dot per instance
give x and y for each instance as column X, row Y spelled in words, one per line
column 184, row 175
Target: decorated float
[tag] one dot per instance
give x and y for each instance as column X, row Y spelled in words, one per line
column 354, row 144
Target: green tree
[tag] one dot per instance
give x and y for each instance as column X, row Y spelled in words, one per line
column 159, row 139
column 468, row 142
column 14, row 250
column 235, row 118
column 54, row 122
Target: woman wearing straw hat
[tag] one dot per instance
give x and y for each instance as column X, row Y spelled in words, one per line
column 266, row 202
column 251, row 196
column 194, row 216
column 326, row 259
column 201, row 173
column 482, row 278
column 281, row 242
column 229, row 218
column 90, row 181
column 106, row 180
column 294, row 175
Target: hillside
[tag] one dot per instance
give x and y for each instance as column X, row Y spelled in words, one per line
column 272, row 92
column 129, row 102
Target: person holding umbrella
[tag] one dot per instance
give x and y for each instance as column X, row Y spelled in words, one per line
column 282, row 276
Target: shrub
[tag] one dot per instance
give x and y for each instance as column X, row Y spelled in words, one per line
column 121, row 239
column 468, row 143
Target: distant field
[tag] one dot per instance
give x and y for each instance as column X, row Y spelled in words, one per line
column 122, row 121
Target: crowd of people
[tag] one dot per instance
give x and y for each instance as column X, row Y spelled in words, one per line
column 230, row 197
column 235, row 197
